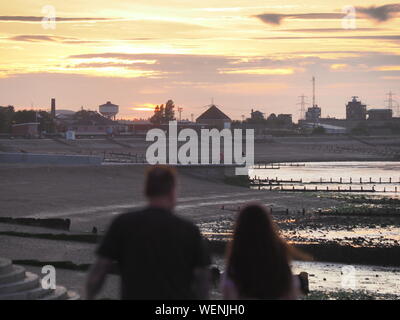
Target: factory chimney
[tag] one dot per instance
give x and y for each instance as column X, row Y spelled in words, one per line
column 53, row 108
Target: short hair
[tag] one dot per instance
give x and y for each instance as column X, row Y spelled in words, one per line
column 160, row 181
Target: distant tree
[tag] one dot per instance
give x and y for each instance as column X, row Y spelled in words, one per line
column 169, row 113
column 46, row 122
column 157, row 117
column 163, row 114
column 6, row 116
column 44, row 119
column 25, row 116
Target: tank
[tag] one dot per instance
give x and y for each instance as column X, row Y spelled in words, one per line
column 109, row 110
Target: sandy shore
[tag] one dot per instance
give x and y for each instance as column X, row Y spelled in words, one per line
column 90, row 196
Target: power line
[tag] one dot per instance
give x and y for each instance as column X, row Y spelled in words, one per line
column 302, row 104
column 393, row 104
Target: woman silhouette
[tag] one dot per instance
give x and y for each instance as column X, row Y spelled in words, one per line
column 258, row 259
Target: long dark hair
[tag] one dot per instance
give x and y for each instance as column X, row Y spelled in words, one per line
column 258, row 260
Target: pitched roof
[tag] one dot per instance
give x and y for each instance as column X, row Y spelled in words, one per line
column 213, row 113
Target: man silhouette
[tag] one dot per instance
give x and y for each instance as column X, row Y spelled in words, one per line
column 159, row 255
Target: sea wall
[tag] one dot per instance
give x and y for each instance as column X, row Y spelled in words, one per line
column 33, row 158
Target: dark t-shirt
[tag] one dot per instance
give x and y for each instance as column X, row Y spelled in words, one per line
column 156, row 252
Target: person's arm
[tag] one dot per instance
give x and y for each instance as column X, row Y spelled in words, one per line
column 295, row 292
column 201, row 267
column 96, row 277
column 108, row 252
column 201, row 282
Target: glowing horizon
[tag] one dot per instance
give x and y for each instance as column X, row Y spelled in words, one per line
column 245, row 56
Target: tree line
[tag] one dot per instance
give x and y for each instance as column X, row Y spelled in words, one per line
column 163, row 114
column 8, row 117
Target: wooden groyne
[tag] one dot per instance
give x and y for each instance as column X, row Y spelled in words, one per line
column 268, row 181
column 276, row 165
column 315, row 189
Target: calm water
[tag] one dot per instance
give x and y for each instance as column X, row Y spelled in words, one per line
column 383, row 176
column 329, row 276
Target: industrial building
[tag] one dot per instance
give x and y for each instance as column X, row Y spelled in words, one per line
column 313, row 114
column 380, row 114
column 355, row 110
column 26, row 130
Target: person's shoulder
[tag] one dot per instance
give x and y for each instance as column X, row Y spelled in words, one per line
column 185, row 223
column 128, row 216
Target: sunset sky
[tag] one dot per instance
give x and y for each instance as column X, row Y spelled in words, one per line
column 243, row 54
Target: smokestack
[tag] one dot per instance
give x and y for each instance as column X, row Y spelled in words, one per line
column 53, row 108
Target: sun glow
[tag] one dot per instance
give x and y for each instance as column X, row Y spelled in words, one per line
column 145, row 107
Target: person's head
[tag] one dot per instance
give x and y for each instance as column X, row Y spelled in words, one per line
column 258, row 259
column 160, row 187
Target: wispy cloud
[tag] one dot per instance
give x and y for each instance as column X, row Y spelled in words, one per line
column 59, row 19
column 277, row 18
column 330, row 30
column 377, row 13
column 49, row 38
column 381, row 13
column 380, row 37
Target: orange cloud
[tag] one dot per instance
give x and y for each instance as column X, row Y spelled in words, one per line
column 388, row 68
column 338, row 66
column 145, row 107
